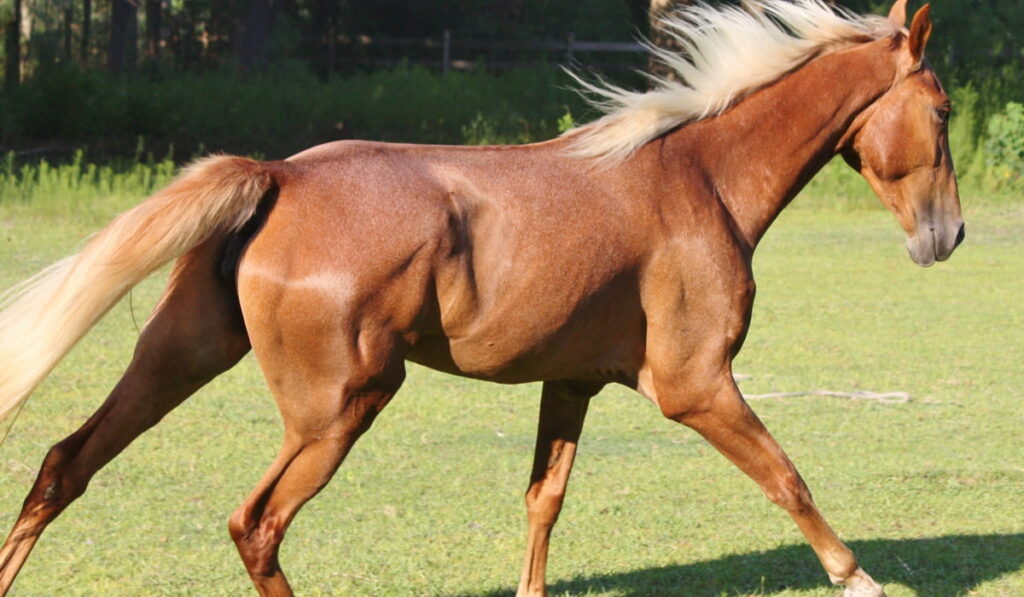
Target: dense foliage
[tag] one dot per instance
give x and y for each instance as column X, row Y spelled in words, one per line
column 282, row 110
column 191, row 92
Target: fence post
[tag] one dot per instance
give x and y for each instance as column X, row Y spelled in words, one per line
column 446, row 56
column 569, row 49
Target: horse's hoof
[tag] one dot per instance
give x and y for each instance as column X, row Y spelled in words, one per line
column 864, row 590
column 860, row 584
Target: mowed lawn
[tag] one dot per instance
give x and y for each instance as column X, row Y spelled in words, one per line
column 928, row 493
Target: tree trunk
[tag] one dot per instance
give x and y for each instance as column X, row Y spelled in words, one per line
column 661, row 38
column 123, row 36
column 154, row 14
column 325, row 31
column 252, row 39
column 12, row 40
column 66, row 49
column 185, row 36
column 27, row 22
column 83, row 51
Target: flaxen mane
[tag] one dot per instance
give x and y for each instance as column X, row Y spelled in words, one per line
column 728, row 51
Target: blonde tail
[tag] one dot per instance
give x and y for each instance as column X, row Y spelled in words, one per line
column 43, row 317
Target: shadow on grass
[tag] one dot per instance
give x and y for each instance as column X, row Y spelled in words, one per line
column 933, row 567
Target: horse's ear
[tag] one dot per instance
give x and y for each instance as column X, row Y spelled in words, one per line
column 920, row 31
column 898, row 13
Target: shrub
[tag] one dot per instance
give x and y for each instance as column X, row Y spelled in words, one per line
column 45, row 188
column 284, row 109
column 1004, row 148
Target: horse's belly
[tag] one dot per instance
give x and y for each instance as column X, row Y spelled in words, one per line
column 599, row 340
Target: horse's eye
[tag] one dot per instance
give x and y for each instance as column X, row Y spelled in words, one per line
column 943, row 113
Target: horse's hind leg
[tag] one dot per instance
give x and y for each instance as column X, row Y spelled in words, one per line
column 329, row 385
column 195, row 333
column 563, row 407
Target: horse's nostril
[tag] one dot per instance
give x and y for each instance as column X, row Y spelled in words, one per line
column 960, row 236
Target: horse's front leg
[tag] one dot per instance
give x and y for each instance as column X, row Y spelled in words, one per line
column 714, row 407
column 563, row 406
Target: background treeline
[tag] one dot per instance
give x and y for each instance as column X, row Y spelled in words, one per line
column 190, row 35
column 273, row 76
column 123, row 35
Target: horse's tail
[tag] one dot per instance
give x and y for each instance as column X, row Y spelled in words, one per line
column 42, row 318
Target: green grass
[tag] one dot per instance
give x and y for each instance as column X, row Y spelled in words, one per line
column 927, row 493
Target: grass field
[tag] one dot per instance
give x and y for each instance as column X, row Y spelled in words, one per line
column 927, row 493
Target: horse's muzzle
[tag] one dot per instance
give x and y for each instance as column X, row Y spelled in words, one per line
column 935, row 243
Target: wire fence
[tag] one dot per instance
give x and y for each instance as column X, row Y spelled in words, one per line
column 447, row 52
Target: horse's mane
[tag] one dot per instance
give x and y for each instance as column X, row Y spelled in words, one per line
column 727, row 52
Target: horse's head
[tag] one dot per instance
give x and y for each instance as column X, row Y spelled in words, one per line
column 900, row 145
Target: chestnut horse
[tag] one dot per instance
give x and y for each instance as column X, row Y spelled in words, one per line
column 620, row 252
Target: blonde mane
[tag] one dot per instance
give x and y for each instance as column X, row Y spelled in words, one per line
column 728, row 52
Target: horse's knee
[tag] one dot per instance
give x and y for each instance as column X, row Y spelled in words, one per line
column 239, row 524
column 543, row 504
column 682, row 404
column 683, row 395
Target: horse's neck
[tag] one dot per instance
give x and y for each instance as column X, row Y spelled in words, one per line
column 760, row 153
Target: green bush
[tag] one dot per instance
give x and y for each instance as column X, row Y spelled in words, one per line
column 285, row 109
column 1004, row 148
column 45, row 188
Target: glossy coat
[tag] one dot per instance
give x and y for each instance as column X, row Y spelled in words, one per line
column 517, row 264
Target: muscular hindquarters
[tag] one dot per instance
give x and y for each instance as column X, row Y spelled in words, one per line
column 335, row 285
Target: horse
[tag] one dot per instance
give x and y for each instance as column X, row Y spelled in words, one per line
column 617, row 253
